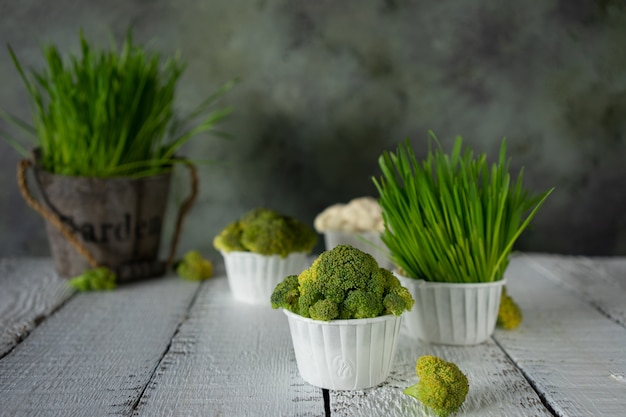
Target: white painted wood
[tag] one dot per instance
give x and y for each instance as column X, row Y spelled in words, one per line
column 497, row 388
column 574, row 354
column 601, row 281
column 95, row 355
column 30, row 290
column 172, row 347
column 230, row 359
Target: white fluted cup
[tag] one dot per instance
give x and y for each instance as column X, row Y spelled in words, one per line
column 344, row 354
column 368, row 242
column 451, row 313
column 252, row 277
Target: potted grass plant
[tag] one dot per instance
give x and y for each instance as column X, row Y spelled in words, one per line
column 451, row 221
column 106, row 139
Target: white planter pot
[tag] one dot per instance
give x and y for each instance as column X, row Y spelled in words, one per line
column 253, row 277
column 452, row 314
column 344, row 354
column 368, row 242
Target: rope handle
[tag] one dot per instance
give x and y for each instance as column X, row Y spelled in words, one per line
column 56, row 221
column 184, row 209
column 47, row 214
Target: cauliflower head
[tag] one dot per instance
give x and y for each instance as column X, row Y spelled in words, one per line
column 442, row 385
column 362, row 214
column 266, row 232
column 509, row 314
column 342, row 283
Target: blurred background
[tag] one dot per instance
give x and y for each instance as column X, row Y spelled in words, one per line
column 327, row 86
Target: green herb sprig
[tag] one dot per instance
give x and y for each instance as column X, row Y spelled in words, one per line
column 109, row 113
column 450, row 217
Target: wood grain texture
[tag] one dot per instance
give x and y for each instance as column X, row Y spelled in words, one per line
column 95, row 355
column 600, row 281
column 230, row 359
column 30, row 290
column 574, row 355
column 497, row 388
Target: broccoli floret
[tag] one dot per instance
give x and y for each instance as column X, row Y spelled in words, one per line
column 101, row 278
column 345, row 283
column 266, row 232
column 442, row 386
column 397, row 300
column 509, row 314
column 325, row 310
column 229, row 238
column 286, row 293
column 194, row 267
column 361, row 304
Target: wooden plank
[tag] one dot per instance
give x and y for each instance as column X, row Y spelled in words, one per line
column 30, row 290
column 230, row 359
column 497, row 388
column 95, row 355
column 574, row 355
column 601, row 281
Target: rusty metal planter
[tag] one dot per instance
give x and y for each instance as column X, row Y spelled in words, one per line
column 114, row 222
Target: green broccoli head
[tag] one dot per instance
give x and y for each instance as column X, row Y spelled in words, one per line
column 442, row 386
column 345, row 283
column 266, row 232
column 509, row 313
column 194, row 267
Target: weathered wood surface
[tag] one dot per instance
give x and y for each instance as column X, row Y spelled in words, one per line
column 573, row 354
column 497, row 388
column 96, row 355
column 30, row 290
column 172, row 347
column 230, row 359
column 600, row 281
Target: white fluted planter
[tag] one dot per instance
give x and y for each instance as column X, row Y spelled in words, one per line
column 344, row 354
column 450, row 313
column 253, row 277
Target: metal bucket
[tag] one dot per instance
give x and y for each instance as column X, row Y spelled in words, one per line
column 112, row 222
column 118, row 220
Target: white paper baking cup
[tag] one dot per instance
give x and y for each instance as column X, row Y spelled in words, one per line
column 451, row 314
column 253, row 277
column 368, row 242
column 344, row 354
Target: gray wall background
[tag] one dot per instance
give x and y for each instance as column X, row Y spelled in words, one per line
column 328, row 85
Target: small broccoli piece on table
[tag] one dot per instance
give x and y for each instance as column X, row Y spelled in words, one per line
column 509, row 314
column 266, row 232
column 442, row 386
column 101, row 278
column 344, row 283
column 194, row 267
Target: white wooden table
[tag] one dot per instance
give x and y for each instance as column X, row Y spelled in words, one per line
column 169, row 347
